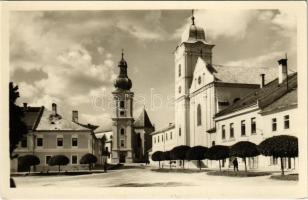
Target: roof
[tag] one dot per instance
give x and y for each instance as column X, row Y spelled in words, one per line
column 49, row 122
column 170, row 126
column 32, row 116
column 107, row 134
column 143, row 121
column 286, row 101
column 242, row 74
column 263, row 97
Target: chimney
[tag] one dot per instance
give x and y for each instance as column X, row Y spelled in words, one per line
column 75, row 116
column 54, row 109
column 25, row 106
column 282, row 70
column 262, row 80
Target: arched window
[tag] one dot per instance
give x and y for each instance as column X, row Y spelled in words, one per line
column 179, row 70
column 180, row 132
column 199, row 118
column 122, row 131
column 213, row 143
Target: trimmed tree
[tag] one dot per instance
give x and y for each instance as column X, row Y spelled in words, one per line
column 158, row 156
column 196, row 153
column 58, row 160
column 218, row 152
column 179, row 153
column 28, row 161
column 88, row 159
column 167, row 156
column 244, row 149
column 281, row 146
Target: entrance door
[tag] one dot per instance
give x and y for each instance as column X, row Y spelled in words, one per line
column 122, row 156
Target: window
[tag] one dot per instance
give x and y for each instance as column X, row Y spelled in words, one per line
column 179, row 70
column 231, row 130
column 59, row 142
column 199, row 80
column 273, row 161
column 170, row 135
column 122, row 131
column 199, row 115
column 253, row 125
column 180, row 89
column 74, row 160
column 24, row 142
column 274, row 124
column 162, row 138
column 121, row 104
column 154, row 140
column 39, row 142
column 243, row 128
column 158, row 139
column 213, row 143
column 166, row 136
column 47, row 158
column 74, row 142
column 180, row 133
column 286, row 122
column 223, row 132
column 122, row 143
column 122, row 113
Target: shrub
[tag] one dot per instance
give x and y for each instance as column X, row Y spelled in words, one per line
column 196, row 153
column 28, row 160
column 158, row 156
column 281, row 146
column 179, row 153
column 58, row 160
column 88, row 159
column 244, row 149
column 218, row 152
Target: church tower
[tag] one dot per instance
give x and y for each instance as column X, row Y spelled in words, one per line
column 122, row 119
column 193, row 45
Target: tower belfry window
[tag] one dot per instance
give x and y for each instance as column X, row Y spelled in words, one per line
column 122, row 104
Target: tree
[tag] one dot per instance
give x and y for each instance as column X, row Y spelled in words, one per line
column 281, row 146
column 218, row 152
column 28, row 161
column 158, row 156
column 244, row 149
column 196, row 153
column 17, row 127
column 88, row 159
column 58, row 160
column 168, row 156
column 179, row 153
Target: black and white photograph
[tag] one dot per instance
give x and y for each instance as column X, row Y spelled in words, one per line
column 154, row 100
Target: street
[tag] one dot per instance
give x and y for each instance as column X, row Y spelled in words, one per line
column 215, row 186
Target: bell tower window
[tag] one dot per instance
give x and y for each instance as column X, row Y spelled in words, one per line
column 121, row 104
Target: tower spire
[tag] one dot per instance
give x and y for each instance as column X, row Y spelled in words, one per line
column 122, row 53
column 192, row 17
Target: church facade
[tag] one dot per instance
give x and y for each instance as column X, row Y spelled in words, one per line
column 203, row 90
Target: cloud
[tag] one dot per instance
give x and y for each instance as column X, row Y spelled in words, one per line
column 218, row 23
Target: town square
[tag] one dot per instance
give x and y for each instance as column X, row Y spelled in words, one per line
column 200, row 99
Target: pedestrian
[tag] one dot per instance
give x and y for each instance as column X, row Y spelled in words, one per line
column 235, row 164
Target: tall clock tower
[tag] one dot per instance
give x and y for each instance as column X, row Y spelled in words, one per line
column 122, row 119
column 193, row 45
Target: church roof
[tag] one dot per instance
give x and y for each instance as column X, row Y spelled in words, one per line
column 242, row 74
column 49, row 122
column 265, row 96
column 143, row 121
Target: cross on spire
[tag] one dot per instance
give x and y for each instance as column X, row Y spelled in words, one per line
column 192, row 17
column 122, row 53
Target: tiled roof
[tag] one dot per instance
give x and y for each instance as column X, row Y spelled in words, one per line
column 286, row 101
column 32, row 116
column 143, row 121
column 242, row 74
column 264, row 96
column 170, row 126
column 51, row 123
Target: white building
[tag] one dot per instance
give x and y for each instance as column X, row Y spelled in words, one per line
column 203, row 89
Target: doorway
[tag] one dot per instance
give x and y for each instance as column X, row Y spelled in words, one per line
column 122, row 156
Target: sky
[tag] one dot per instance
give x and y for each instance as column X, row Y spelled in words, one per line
column 71, row 57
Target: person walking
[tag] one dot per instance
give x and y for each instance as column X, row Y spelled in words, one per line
column 235, row 164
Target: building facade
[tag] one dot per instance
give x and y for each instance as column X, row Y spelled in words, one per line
column 50, row 134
